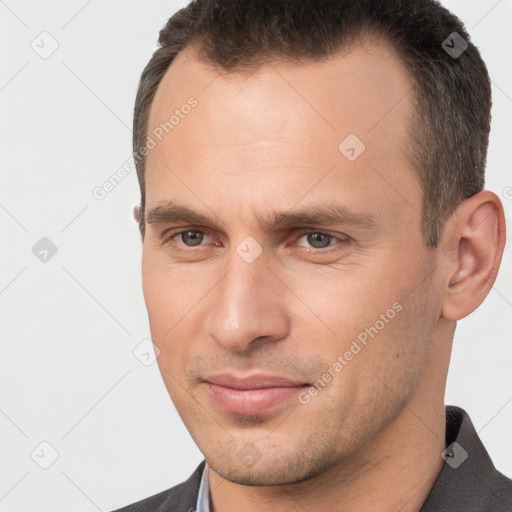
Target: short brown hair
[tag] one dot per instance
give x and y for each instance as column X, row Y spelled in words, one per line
column 449, row 133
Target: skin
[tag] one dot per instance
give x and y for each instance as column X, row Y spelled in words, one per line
column 267, row 141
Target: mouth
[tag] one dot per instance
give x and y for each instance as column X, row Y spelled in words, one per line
column 251, row 395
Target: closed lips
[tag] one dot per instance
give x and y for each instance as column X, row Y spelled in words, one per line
column 253, row 382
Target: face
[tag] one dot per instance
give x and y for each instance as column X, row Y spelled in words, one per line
column 277, row 245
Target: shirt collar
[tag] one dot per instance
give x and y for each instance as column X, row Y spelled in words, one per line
column 203, row 497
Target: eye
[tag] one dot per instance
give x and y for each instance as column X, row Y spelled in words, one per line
column 314, row 240
column 189, row 237
column 319, row 240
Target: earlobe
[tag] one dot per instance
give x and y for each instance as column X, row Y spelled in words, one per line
column 476, row 243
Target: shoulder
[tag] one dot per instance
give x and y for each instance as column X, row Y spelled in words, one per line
column 501, row 493
column 180, row 498
column 468, row 480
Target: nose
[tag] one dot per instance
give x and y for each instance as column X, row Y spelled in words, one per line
column 248, row 306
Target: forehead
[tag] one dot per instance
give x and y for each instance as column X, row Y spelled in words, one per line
column 283, row 124
column 353, row 90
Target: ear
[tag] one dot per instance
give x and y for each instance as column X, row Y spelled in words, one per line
column 471, row 249
column 136, row 214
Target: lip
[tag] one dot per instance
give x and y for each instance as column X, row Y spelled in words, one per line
column 251, row 395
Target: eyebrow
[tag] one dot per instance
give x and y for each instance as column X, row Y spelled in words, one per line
column 321, row 215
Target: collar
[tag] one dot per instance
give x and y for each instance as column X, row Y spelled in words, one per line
column 203, row 497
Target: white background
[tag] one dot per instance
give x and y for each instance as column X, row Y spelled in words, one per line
column 68, row 327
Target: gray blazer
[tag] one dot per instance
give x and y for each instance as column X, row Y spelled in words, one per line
column 465, row 484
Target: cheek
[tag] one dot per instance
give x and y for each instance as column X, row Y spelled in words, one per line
column 176, row 301
column 397, row 355
column 381, row 331
column 164, row 302
column 167, row 293
column 351, row 305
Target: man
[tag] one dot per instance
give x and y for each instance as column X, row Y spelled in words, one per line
column 314, row 224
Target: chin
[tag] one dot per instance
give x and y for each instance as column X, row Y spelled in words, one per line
column 270, row 472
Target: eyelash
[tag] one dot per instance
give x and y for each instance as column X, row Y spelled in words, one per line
column 168, row 239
